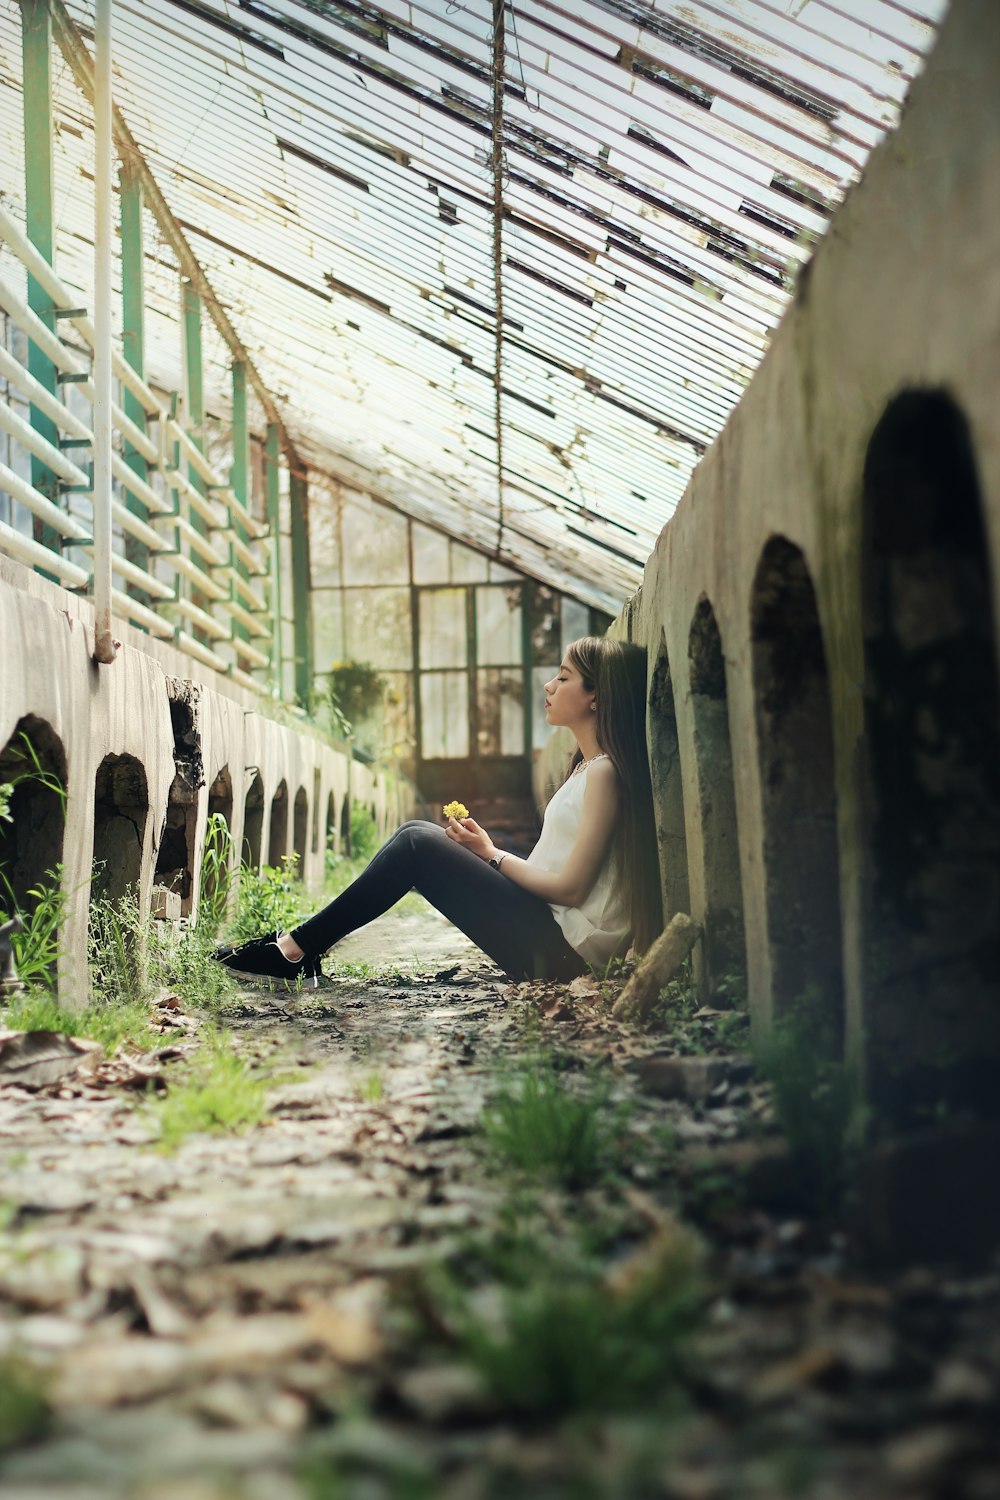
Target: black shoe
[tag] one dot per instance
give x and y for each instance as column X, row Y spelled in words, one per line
column 261, row 958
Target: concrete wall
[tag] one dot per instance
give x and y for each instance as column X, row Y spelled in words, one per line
column 865, row 809
column 110, row 735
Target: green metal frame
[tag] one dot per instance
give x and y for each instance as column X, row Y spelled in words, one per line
column 272, row 480
column 36, row 42
column 134, row 341
column 239, row 477
column 300, row 588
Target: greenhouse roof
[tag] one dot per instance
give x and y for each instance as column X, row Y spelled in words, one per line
column 588, row 261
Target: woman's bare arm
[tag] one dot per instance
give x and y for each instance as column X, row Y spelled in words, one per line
column 571, row 885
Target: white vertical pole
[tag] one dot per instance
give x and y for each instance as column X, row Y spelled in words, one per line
column 104, row 645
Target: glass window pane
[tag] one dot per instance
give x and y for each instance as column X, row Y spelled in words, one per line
column 575, row 621
column 374, row 543
column 498, row 625
column 328, row 637
column 444, row 637
column 430, row 555
column 499, row 574
column 467, row 566
column 377, row 627
column 501, row 712
column 444, row 715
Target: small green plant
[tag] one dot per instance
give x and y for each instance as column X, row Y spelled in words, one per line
column 118, row 937
column 182, row 962
column 364, row 834
column 37, row 1009
column 816, row 1095
column 268, row 902
column 36, row 946
column 219, row 1094
column 371, row 1090
column 541, row 1128
column 572, row 1340
column 25, row 1414
column 216, row 874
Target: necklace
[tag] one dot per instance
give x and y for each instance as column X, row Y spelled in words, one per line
column 583, row 764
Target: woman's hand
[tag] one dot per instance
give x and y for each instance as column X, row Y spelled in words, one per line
column 468, row 833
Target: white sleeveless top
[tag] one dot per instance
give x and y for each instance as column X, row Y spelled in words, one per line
column 596, row 928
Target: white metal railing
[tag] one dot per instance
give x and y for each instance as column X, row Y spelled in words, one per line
column 209, row 567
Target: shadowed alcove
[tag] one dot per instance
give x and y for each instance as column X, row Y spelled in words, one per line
column 723, row 948
column 932, row 721
column 668, row 792
column 795, row 742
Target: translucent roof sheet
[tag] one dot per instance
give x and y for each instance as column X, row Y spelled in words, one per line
column 668, row 167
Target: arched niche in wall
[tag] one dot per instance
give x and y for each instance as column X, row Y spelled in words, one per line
column 724, row 947
column 668, row 792
column 331, row 824
column 253, row 823
column 300, row 829
column 121, row 807
column 795, row 741
column 316, row 799
column 31, row 842
column 277, row 836
column 175, row 854
column 220, row 805
column 346, row 846
column 932, row 737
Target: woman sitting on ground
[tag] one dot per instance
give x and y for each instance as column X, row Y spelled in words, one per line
column 590, row 885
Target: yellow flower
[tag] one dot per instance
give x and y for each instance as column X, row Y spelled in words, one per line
column 455, row 810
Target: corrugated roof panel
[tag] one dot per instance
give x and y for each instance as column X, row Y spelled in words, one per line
column 669, row 167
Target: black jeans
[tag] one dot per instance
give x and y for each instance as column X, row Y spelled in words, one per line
column 515, row 928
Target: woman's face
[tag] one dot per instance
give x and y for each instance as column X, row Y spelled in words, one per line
column 567, row 701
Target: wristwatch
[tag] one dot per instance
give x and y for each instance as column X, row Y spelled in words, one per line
column 498, row 858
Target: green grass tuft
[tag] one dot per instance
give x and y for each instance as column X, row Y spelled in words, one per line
column 570, row 1340
column 24, row 1411
column 539, row 1127
column 219, row 1093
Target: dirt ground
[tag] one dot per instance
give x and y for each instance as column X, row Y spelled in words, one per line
column 284, row 1313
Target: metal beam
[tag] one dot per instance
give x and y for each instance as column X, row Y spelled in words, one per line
column 239, row 475
column 36, row 43
column 134, row 340
column 72, row 46
column 300, row 588
column 272, row 480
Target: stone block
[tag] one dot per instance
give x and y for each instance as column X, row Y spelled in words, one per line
column 166, row 905
column 688, row 1078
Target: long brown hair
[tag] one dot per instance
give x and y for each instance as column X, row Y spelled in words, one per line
column 615, row 672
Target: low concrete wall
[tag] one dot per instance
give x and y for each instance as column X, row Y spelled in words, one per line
column 225, row 735
column 785, row 544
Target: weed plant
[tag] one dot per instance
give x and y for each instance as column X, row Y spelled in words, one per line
column 570, row 1340
column 183, row 963
column 38, row 1009
column 219, row 1094
column 268, row 902
column 25, row 1415
column 816, row 1097
column 541, row 1128
column 36, row 946
column 216, row 874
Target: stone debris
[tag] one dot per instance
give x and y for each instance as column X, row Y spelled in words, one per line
column 258, row 1308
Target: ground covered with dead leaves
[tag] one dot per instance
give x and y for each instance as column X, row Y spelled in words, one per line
column 386, row 1286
